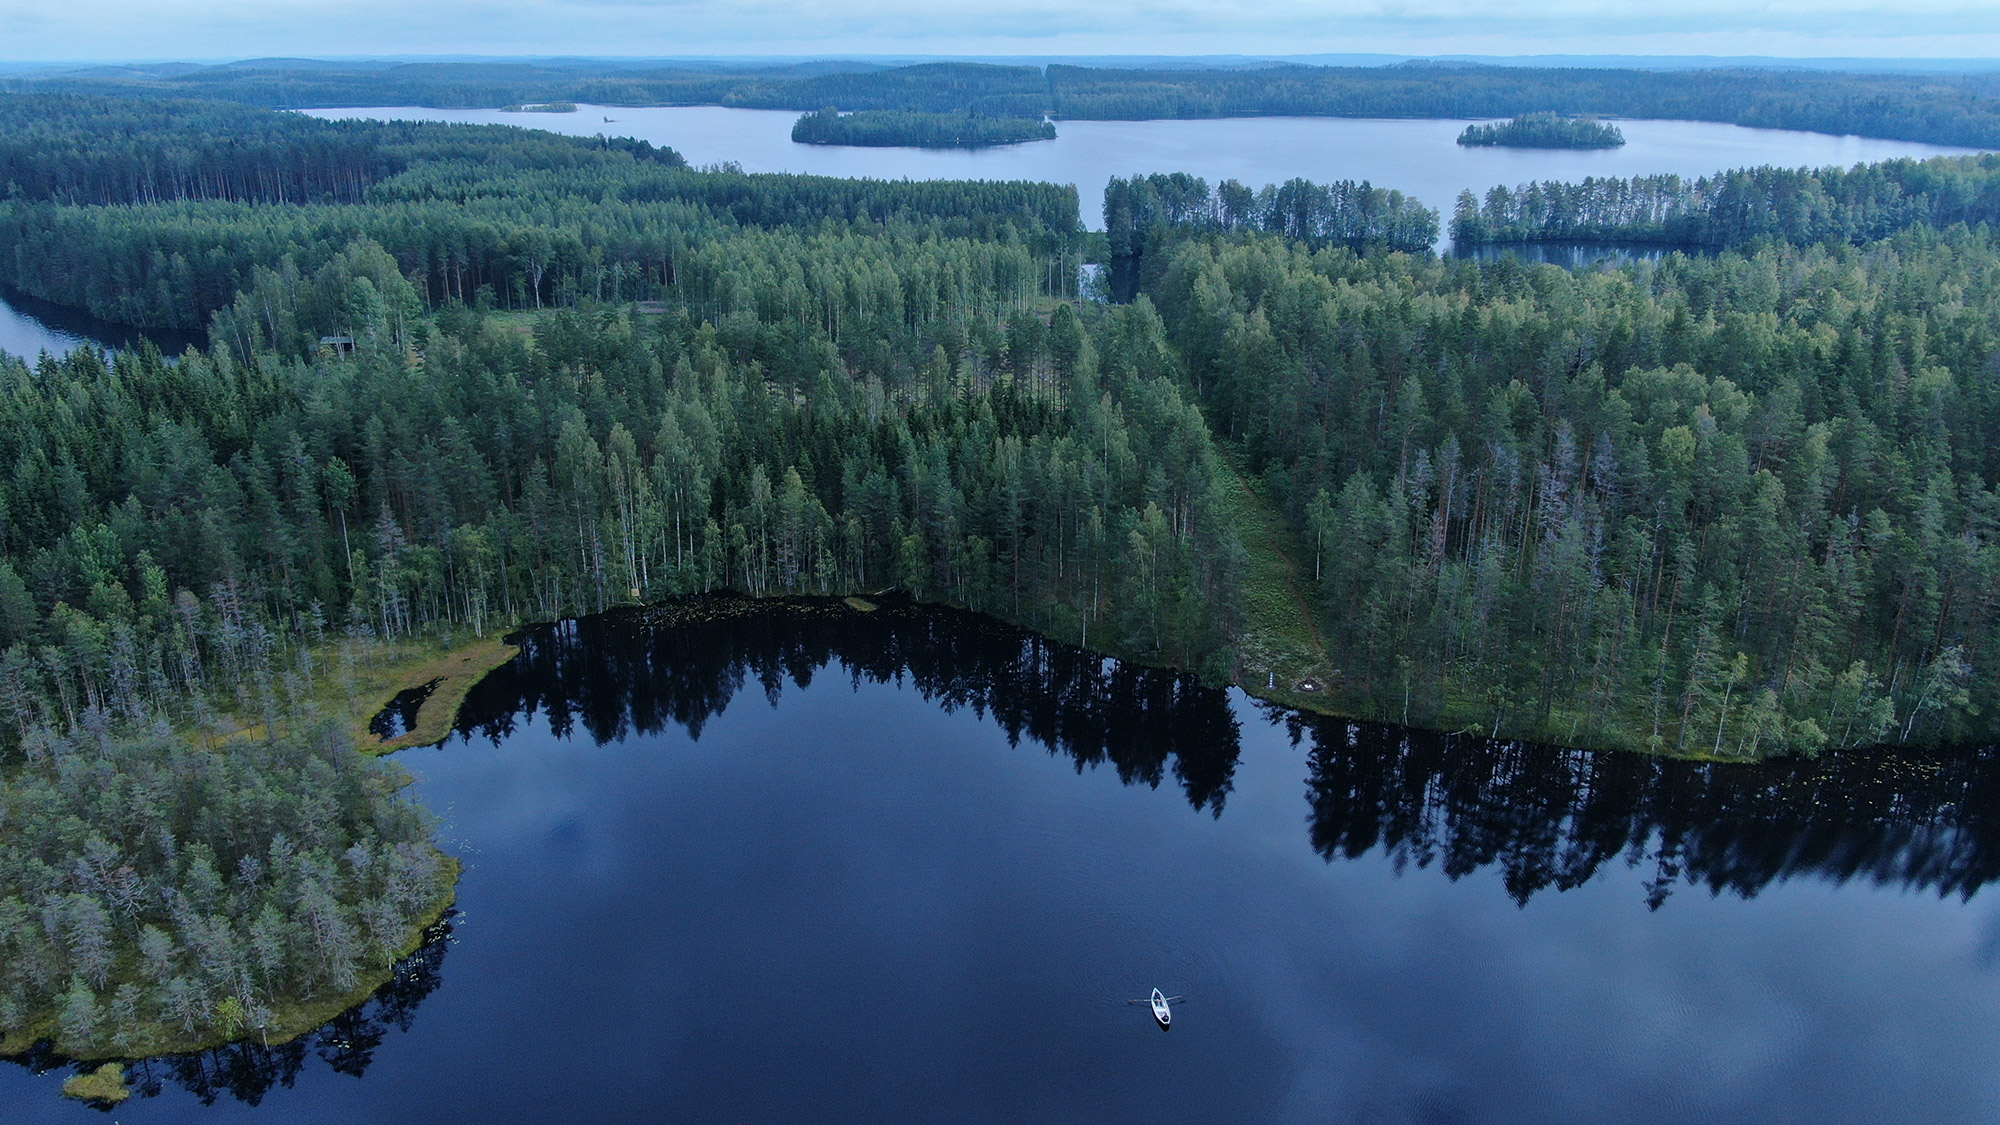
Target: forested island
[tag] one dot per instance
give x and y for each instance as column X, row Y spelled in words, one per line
column 1725, row 507
column 1951, row 109
column 1544, row 130
column 884, row 128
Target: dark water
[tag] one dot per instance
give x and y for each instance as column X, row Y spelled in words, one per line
column 400, row 716
column 816, row 864
column 29, row 327
column 1417, row 157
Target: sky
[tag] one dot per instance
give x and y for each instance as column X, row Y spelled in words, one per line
column 217, row 30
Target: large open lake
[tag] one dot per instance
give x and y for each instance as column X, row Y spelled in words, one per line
column 1417, row 157
column 808, row 863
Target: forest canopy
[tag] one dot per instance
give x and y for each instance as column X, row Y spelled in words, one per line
column 1737, row 208
column 1544, row 130
column 880, row 128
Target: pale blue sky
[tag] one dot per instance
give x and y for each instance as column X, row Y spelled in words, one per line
column 217, row 29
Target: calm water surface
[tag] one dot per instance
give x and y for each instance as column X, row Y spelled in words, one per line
column 814, row 864
column 29, row 327
column 1418, row 157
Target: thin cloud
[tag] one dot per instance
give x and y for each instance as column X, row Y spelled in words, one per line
column 112, row 29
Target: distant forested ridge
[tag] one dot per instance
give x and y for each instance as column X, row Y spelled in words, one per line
column 1732, row 209
column 87, row 149
column 883, row 128
column 1961, row 110
column 1937, row 109
column 1544, row 130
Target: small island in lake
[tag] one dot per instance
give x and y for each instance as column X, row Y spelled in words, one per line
column 543, row 107
column 884, row 129
column 1545, row 130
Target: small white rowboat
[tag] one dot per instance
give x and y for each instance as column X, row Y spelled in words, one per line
column 1160, row 1010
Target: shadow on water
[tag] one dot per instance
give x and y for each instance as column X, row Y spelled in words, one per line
column 247, row 1071
column 47, row 326
column 1545, row 818
column 634, row 672
column 1552, row 819
column 1540, row 819
column 399, row 716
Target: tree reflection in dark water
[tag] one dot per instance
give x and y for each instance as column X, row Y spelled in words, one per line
column 1543, row 817
column 1550, row 818
column 249, row 1070
column 635, row 672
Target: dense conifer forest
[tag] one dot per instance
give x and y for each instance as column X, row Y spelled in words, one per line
column 880, row 128
column 1544, row 130
column 463, row 378
column 1736, row 209
column 1731, row 505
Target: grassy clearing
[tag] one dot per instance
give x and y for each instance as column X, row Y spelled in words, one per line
column 355, row 680
column 1281, row 648
column 455, row 671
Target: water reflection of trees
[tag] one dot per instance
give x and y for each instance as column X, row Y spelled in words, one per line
column 1542, row 817
column 622, row 673
column 247, row 1071
column 1549, row 818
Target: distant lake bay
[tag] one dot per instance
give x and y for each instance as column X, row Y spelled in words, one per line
column 1418, row 157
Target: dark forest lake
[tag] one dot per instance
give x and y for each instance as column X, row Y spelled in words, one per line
column 802, row 862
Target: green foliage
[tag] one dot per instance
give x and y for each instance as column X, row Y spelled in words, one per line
column 1146, row 216
column 1735, row 209
column 523, row 218
column 80, row 149
column 1725, row 506
column 1544, row 130
column 882, row 128
column 1341, row 214
column 103, row 1086
column 154, row 892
